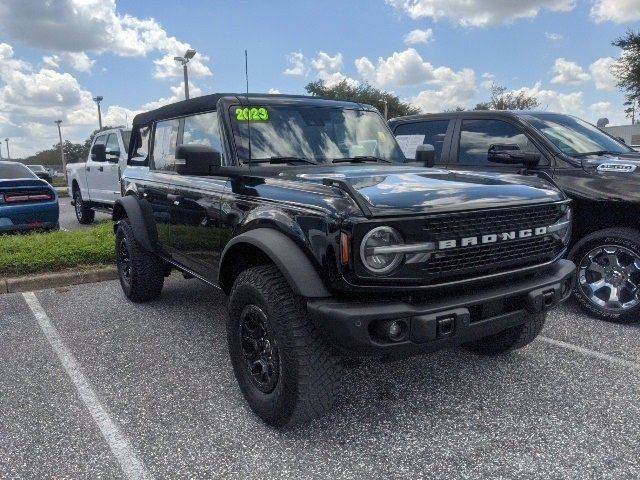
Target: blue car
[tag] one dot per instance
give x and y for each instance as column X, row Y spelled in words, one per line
column 26, row 202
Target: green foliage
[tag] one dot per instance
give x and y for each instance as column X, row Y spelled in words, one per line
column 627, row 71
column 45, row 252
column 363, row 93
column 502, row 99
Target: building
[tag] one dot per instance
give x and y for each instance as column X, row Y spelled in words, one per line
column 629, row 133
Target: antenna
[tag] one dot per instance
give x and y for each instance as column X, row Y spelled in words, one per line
column 246, row 74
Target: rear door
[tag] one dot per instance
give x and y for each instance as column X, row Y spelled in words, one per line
column 94, row 170
column 472, row 138
column 436, row 131
column 110, row 178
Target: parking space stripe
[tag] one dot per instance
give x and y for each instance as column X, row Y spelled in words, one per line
column 131, row 465
column 591, row 353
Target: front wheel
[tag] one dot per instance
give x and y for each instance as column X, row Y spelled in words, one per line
column 285, row 370
column 608, row 265
column 510, row 339
column 84, row 213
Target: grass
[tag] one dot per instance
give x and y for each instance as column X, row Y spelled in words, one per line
column 55, row 251
column 59, row 182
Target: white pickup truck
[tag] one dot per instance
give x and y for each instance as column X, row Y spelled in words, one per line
column 95, row 184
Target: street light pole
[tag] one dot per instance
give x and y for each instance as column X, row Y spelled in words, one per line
column 64, row 164
column 8, row 154
column 189, row 54
column 98, row 99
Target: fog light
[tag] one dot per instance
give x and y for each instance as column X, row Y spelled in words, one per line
column 390, row 330
column 394, row 330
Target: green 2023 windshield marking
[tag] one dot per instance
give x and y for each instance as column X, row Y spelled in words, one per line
column 254, row 114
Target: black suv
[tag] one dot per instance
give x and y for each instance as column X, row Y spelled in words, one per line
column 301, row 210
column 598, row 172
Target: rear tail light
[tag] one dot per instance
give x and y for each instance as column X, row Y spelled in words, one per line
column 20, row 197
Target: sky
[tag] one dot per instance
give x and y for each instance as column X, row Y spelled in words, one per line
column 56, row 55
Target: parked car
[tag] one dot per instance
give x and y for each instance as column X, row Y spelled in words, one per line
column 600, row 173
column 301, row 210
column 41, row 172
column 26, row 201
column 94, row 185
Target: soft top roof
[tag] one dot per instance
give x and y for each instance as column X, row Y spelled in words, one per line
column 207, row 103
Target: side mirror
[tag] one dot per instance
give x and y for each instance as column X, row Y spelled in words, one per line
column 194, row 159
column 98, row 153
column 426, row 154
column 510, row 154
column 621, row 140
column 112, row 156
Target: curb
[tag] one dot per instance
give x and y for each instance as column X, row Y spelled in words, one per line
column 59, row 279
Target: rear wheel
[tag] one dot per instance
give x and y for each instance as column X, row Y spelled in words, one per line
column 84, row 213
column 285, row 370
column 608, row 283
column 141, row 273
column 511, row 339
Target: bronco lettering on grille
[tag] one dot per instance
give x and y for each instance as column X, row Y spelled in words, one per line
column 491, row 238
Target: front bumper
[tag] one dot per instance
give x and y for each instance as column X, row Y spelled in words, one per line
column 350, row 324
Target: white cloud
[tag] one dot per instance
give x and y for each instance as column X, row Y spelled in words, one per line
column 479, row 13
column 298, row 64
column 555, row 101
column 79, row 61
column 325, row 62
column 567, row 72
column 488, row 80
column 456, row 89
column 78, row 26
column 274, row 91
column 401, row 68
column 617, row 11
column 554, row 37
column 602, row 73
column 600, row 108
column 177, row 95
column 417, row 36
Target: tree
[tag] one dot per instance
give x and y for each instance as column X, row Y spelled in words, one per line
column 363, row 93
column 502, row 99
column 627, row 71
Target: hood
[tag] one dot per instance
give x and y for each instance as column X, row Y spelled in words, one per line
column 623, row 163
column 391, row 190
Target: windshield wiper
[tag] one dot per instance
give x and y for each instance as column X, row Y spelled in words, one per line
column 360, row 159
column 281, row 160
column 597, row 152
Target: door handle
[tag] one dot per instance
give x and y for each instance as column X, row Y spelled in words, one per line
column 174, row 198
column 101, row 169
column 88, row 169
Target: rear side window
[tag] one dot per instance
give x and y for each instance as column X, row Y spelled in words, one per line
column 165, row 139
column 410, row 135
column 476, row 136
column 12, row 172
column 203, row 129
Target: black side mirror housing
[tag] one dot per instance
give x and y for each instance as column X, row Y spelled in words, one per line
column 192, row 159
column 426, row 154
column 98, row 153
column 510, row 154
column 113, row 156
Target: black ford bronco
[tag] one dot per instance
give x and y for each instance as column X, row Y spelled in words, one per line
column 304, row 212
column 598, row 172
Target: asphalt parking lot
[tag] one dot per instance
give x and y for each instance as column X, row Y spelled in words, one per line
column 68, row 220
column 92, row 386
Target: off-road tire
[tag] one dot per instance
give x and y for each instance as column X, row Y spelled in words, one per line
column 308, row 371
column 511, row 339
column 84, row 213
column 623, row 237
column 146, row 276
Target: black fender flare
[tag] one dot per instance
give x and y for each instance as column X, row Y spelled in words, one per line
column 140, row 214
column 296, row 267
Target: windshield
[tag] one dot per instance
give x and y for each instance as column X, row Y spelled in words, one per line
column 315, row 134
column 13, row 171
column 36, row 168
column 575, row 137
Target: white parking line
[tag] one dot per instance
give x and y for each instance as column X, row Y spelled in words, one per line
column 591, row 353
column 131, row 465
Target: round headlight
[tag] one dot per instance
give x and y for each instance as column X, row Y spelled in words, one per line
column 373, row 253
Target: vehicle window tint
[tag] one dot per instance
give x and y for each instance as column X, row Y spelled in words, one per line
column 11, row 171
column 100, row 140
column 203, row 129
column 165, row 139
column 476, row 136
column 126, row 138
column 112, row 143
column 433, row 132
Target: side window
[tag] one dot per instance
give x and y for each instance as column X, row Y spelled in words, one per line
column 142, row 143
column 203, row 129
column 476, row 136
column 112, row 143
column 165, row 139
column 410, row 135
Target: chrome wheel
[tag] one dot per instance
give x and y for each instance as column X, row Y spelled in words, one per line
column 259, row 349
column 609, row 276
column 78, row 204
